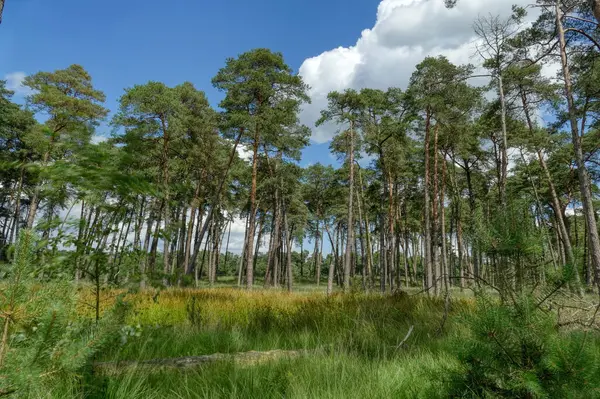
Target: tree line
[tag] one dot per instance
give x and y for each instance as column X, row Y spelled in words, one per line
column 444, row 183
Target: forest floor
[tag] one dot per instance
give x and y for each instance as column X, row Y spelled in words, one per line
column 343, row 346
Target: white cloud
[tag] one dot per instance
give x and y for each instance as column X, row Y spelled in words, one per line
column 406, row 31
column 97, row 139
column 244, row 152
column 14, row 82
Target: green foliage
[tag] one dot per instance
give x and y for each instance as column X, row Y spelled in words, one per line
column 67, row 96
column 47, row 344
column 516, row 351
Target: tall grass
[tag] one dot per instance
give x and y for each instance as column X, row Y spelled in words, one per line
column 352, row 345
column 316, row 376
column 185, row 322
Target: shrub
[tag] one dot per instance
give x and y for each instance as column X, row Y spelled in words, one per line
column 516, row 351
column 46, row 345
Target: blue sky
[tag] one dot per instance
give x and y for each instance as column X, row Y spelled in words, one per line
column 334, row 44
column 126, row 42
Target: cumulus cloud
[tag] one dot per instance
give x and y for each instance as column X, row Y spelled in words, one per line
column 14, row 82
column 405, row 32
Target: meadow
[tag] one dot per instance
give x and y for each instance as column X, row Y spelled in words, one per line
column 347, row 345
column 343, row 346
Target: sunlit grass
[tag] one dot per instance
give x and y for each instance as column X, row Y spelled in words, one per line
column 186, row 322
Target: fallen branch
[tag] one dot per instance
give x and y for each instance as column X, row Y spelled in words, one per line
column 410, row 330
column 244, row 358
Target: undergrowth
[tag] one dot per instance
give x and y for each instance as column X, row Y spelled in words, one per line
column 357, row 346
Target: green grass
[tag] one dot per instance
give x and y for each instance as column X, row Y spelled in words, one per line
column 336, row 375
column 370, row 326
column 352, row 343
column 350, row 348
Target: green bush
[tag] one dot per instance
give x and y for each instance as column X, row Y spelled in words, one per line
column 47, row 346
column 516, row 351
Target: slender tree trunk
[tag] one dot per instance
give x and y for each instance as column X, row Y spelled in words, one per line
column 288, row 236
column 391, row 266
column 444, row 258
column 269, row 270
column 139, row 222
column 35, row 200
column 198, row 270
column 243, row 254
column 215, row 246
column 197, row 240
column 167, row 199
column 435, row 207
column 227, row 244
column 407, row 275
column 190, row 232
column 215, row 202
column 17, row 212
column 182, row 240
column 252, row 224
column 259, row 237
column 339, row 267
column 144, row 260
column 317, row 256
column 362, row 238
column 584, row 182
column 504, row 149
column 350, row 222
column 428, row 269
column 369, row 259
column 276, row 241
column 301, row 257
column 459, row 244
column 154, row 246
column 332, row 263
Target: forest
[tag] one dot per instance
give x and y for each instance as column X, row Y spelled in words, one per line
column 451, row 250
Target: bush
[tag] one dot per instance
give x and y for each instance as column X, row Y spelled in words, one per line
column 46, row 345
column 516, row 351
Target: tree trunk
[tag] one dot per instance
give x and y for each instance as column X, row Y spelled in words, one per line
column 227, row 244
column 153, row 249
column 428, row 269
column 362, row 239
column 504, row 149
column 139, row 222
column 584, row 182
column 243, row 254
column 217, row 196
column 444, row 259
column 596, row 9
column 190, row 232
column 317, row 255
column 556, row 204
column 144, row 260
column 14, row 229
column 435, row 207
column 350, row 222
column 288, row 236
column 259, row 237
column 252, row 224
column 35, row 200
column 332, row 262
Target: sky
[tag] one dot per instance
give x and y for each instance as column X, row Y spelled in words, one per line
column 127, row 42
column 332, row 44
